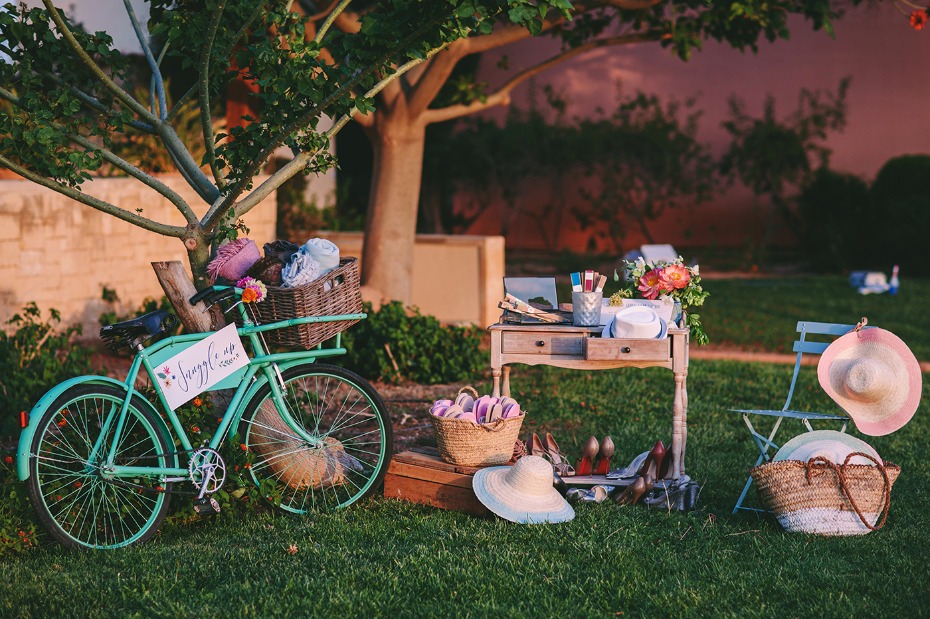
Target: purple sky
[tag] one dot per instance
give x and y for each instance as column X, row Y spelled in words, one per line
column 888, row 98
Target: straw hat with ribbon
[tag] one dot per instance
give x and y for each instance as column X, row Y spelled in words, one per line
column 874, row 377
column 522, row 493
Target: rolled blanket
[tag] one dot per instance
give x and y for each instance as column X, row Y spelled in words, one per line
column 281, row 250
column 302, row 269
column 323, row 251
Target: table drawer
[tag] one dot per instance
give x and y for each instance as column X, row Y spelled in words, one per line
column 611, row 349
column 543, row 343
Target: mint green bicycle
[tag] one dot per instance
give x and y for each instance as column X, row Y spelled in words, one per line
column 101, row 461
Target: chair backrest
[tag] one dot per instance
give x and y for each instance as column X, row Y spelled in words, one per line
column 802, row 346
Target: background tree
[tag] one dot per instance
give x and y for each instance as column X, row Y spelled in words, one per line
column 612, row 172
column 772, row 157
column 69, row 93
column 434, row 93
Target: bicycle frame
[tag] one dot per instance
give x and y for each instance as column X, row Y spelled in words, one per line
column 263, row 367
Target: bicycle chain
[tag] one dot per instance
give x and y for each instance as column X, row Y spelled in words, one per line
column 156, row 491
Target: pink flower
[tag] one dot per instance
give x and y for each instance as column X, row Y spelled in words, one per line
column 675, row 277
column 651, row 284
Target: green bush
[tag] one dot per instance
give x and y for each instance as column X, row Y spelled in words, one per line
column 396, row 344
column 832, row 208
column 899, row 225
column 33, row 359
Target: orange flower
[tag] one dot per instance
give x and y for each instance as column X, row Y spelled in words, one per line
column 195, row 429
column 78, row 484
column 292, row 549
column 249, row 295
column 675, row 276
column 244, row 447
column 198, row 402
column 8, row 459
column 246, row 466
column 62, row 423
column 919, row 19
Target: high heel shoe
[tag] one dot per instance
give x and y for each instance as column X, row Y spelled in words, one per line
column 652, row 465
column 554, row 454
column 588, row 451
column 534, row 446
column 604, row 454
column 640, row 487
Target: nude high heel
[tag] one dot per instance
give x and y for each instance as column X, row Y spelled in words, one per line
column 604, row 454
column 652, row 465
column 588, row 452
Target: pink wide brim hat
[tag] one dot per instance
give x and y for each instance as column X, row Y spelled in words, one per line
column 874, row 377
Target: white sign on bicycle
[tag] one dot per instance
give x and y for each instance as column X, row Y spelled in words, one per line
column 199, row 367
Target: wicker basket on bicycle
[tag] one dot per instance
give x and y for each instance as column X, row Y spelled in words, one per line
column 334, row 293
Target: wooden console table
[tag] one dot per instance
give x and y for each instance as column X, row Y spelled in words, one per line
column 582, row 348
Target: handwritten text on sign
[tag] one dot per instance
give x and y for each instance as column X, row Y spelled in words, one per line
column 199, row 367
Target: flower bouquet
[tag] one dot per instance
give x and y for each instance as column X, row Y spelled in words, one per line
column 673, row 280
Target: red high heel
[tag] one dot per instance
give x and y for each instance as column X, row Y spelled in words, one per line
column 588, row 452
column 653, row 464
column 604, row 454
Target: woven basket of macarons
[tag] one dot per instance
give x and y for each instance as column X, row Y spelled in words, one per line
column 474, row 430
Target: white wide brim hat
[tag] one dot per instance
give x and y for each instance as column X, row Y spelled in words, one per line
column 522, row 493
column 637, row 322
column 874, row 377
column 830, row 444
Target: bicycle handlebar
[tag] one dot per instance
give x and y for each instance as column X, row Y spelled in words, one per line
column 213, row 294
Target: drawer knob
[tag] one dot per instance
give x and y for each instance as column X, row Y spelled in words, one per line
column 625, row 349
column 540, row 343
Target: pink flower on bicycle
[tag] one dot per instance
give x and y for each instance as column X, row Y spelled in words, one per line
column 675, row 277
column 651, row 284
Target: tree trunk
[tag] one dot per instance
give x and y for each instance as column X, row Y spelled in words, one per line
column 179, row 288
column 390, row 230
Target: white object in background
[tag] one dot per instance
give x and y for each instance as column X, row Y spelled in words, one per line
column 658, row 253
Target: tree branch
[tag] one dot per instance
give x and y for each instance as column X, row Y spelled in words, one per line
column 153, row 65
column 325, row 26
column 94, row 104
column 206, row 119
column 100, row 205
column 434, row 78
column 298, row 163
column 501, row 96
column 138, row 174
column 229, row 200
column 92, row 66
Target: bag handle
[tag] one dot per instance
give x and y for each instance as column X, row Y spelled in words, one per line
column 474, row 392
column 822, row 462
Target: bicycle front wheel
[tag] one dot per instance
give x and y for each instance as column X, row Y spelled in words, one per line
column 76, row 501
column 342, row 451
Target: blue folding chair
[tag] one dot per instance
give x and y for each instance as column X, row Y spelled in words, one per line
column 766, row 443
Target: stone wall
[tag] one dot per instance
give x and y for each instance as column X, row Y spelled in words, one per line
column 459, row 279
column 61, row 254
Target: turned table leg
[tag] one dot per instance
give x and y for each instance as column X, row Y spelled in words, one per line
column 678, row 428
column 506, row 388
column 496, row 379
column 684, row 422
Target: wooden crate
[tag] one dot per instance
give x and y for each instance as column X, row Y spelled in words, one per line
column 421, row 476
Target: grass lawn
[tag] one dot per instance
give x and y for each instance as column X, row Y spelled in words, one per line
column 387, row 558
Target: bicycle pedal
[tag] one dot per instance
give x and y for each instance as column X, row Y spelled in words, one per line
column 207, row 506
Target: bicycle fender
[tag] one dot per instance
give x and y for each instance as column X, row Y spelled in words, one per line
column 260, row 381
column 25, row 438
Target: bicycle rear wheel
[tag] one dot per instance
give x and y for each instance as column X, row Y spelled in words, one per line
column 75, row 502
column 349, row 447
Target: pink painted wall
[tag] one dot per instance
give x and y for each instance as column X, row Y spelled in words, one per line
column 888, row 102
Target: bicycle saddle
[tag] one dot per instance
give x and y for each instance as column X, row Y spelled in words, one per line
column 125, row 334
